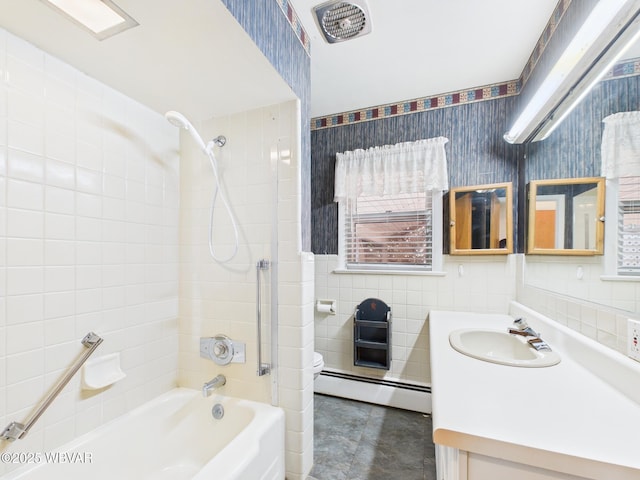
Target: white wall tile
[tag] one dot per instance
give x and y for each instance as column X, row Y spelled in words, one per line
column 26, row 195
column 25, row 223
column 24, row 165
column 59, row 145
column 24, row 366
column 60, row 174
column 59, row 227
column 23, row 337
column 89, row 181
column 88, row 229
column 59, row 330
column 59, row 304
column 67, row 243
column 23, row 395
column 59, row 200
column 411, row 298
column 25, row 74
column 24, row 137
column 24, row 308
column 24, row 252
column 25, row 280
column 60, row 96
column 59, row 252
column 26, row 109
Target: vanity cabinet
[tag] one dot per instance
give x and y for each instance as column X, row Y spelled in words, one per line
column 454, row 464
column 479, row 428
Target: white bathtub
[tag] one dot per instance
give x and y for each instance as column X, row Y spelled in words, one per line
column 175, row 437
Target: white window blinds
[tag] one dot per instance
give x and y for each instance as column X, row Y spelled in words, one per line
column 628, row 245
column 394, row 230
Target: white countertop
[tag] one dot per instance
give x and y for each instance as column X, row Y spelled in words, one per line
column 563, row 418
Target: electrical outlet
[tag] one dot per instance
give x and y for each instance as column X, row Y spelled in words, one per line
column 633, row 339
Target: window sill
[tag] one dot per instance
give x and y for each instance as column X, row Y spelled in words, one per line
column 389, row 272
column 620, row 278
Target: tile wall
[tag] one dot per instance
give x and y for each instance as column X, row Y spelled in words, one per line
column 595, row 307
column 273, row 25
column 295, row 376
column 573, row 293
column 259, row 169
column 220, row 298
column 548, row 285
column 466, row 284
column 89, row 191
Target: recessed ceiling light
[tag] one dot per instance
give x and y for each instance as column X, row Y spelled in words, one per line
column 102, row 18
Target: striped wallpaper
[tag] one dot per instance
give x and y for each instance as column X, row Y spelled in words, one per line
column 275, row 29
column 476, row 153
column 573, row 149
column 474, row 120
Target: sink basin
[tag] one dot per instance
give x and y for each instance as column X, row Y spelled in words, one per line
column 496, row 346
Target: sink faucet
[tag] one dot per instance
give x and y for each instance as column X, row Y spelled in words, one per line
column 217, row 382
column 521, row 328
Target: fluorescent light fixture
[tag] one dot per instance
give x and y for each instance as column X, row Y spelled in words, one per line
column 590, row 80
column 610, row 28
column 102, row 18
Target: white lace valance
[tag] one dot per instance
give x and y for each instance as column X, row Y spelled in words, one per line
column 621, row 145
column 408, row 167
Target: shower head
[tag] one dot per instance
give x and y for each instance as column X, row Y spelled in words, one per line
column 177, row 119
column 339, row 21
column 180, row 121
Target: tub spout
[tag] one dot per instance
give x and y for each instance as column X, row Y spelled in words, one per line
column 217, row 382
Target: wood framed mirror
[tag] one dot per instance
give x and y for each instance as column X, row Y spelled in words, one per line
column 481, row 220
column 566, row 216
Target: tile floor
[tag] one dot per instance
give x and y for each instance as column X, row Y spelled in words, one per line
column 360, row 441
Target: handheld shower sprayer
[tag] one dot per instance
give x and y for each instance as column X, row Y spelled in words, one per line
column 180, row 121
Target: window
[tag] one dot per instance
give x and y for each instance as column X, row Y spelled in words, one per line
column 390, row 206
column 621, row 167
column 391, row 232
column 628, row 226
column 395, row 232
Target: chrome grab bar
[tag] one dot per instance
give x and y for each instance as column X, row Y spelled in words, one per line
column 263, row 368
column 16, row 430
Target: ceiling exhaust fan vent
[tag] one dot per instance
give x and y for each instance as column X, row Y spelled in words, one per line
column 340, row 21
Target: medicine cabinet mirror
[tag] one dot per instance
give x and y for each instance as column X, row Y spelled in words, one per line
column 566, row 216
column 481, row 220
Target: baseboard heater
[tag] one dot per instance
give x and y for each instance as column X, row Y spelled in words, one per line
column 375, row 390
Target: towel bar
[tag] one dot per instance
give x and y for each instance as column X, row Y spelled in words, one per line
column 263, row 368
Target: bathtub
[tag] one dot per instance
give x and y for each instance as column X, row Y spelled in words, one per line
column 173, row 437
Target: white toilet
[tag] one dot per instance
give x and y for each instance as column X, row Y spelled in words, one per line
column 318, row 364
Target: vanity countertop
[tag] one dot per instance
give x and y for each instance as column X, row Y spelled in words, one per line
column 580, row 417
